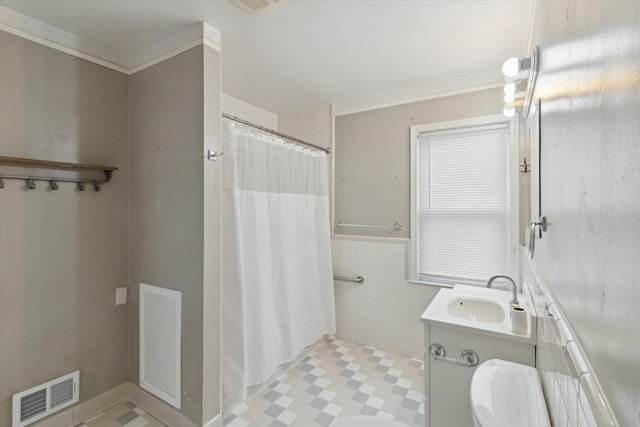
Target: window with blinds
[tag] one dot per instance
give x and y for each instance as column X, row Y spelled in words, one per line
column 462, row 204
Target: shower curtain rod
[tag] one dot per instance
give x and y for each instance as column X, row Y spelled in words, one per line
column 281, row 135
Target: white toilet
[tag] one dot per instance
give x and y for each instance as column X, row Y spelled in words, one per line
column 366, row 421
column 506, row 394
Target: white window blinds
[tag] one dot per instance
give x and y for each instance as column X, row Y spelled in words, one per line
column 462, row 204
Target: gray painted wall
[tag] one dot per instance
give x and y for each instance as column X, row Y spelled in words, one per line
column 372, row 157
column 212, row 254
column 590, row 89
column 62, row 253
column 167, row 197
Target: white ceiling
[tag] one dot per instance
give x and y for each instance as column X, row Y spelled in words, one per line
column 306, row 53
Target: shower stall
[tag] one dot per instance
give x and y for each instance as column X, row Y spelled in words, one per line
column 277, row 287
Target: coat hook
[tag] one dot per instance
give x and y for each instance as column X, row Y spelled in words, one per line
column 81, row 186
column 213, row 155
column 96, row 186
column 53, row 185
column 1, row 183
column 31, row 184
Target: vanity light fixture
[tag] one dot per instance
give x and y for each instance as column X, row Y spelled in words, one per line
column 510, row 88
column 520, row 76
column 514, row 67
column 509, row 111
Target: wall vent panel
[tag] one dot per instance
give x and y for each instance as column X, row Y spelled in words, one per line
column 161, row 342
column 45, row 399
column 33, row 404
column 61, row 393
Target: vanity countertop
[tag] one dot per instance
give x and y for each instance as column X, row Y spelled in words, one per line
column 437, row 313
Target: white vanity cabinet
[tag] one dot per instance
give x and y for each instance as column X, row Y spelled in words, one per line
column 448, row 379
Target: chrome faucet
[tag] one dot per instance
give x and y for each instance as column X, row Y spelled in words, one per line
column 514, row 287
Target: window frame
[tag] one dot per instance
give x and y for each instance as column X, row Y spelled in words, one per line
column 513, row 188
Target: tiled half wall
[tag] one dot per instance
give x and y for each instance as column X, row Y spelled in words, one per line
column 384, row 311
column 572, row 391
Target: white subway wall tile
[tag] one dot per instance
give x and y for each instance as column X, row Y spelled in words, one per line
column 246, row 111
column 385, row 310
column 312, row 125
column 562, row 364
column 585, row 415
column 572, row 402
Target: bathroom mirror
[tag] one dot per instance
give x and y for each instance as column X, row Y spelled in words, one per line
column 533, row 134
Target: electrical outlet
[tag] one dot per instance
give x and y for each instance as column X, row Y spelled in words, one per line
column 121, row 296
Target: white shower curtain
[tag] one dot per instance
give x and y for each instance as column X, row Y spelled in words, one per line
column 277, row 275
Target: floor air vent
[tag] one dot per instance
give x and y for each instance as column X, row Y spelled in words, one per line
column 45, row 399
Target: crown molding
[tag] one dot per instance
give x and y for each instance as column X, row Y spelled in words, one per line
column 489, row 80
column 55, row 38
column 195, row 36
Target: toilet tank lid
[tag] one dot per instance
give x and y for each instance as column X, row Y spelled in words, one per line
column 507, row 394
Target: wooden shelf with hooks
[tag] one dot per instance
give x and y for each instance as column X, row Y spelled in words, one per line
column 45, row 164
column 53, row 181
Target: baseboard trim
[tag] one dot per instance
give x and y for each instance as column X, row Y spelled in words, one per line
column 158, row 408
column 86, row 410
column 215, row 422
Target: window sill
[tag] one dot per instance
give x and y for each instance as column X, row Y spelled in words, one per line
column 448, row 285
column 422, row 282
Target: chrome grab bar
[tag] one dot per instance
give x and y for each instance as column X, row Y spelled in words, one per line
column 358, row 279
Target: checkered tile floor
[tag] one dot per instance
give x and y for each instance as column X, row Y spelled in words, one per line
column 124, row 414
column 336, row 380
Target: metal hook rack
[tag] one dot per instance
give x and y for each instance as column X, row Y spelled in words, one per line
column 53, row 181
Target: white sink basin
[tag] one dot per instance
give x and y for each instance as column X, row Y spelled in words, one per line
column 478, row 309
column 483, row 310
